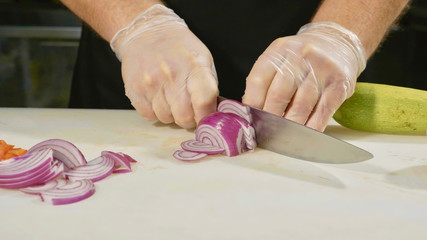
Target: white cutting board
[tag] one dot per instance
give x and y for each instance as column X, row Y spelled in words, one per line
column 259, row 195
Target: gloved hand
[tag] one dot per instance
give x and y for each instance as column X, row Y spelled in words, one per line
column 169, row 74
column 306, row 77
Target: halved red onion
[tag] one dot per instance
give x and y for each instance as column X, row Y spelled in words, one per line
column 95, row 170
column 201, row 147
column 63, row 150
column 72, row 192
column 228, row 131
column 188, row 156
column 223, row 130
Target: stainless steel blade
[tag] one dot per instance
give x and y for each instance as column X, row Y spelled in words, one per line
column 286, row 137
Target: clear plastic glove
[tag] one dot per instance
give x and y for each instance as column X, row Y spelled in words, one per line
column 306, row 77
column 169, row 74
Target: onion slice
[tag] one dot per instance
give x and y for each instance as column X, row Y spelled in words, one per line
column 42, row 170
column 37, row 189
column 233, row 106
column 63, row 150
column 95, row 170
column 25, row 170
column 72, row 192
column 201, row 147
column 121, row 161
column 56, row 170
column 23, row 165
column 188, row 156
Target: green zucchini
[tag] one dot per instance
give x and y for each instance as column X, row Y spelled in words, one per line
column 385, row 109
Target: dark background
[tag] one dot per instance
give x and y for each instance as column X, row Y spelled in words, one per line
column 401, row 59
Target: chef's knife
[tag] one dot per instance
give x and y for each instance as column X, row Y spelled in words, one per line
column 295, row 140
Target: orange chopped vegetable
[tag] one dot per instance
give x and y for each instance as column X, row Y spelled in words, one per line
column 9, row 151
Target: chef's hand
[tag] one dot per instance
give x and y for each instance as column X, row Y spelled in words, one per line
column 306, row 77
column 169, row 74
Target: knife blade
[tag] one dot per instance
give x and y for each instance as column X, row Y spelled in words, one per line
column 283, row 136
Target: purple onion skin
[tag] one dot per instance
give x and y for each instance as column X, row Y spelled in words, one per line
column 62, row 201
column 223, row 121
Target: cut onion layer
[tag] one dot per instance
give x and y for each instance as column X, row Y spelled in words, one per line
column 188, row 156
column 71, row 192
column 232, row 106
column 122, row 162
column 44, row 168
column 37, row 189
column 26, row 170
column 56, row 170
column 227, row 131
column 95, row 170
column 64, row 151
column 201, row 147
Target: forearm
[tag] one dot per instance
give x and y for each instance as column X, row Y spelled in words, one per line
column 107, row 17
column 370, row 20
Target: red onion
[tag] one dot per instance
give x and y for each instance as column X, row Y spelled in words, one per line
column 56, row 170
column 227, row 131
column 43, row 169
column 201, row 147
column 233, row 106
column 95, row 170
column 188, row 156
column 121, row 161
column 73, row 191
column 223, row 130
column 25, row 170
column 37, row 189
column 64, row 151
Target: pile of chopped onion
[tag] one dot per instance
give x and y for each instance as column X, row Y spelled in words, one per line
column 227, row 131
column 57, row 171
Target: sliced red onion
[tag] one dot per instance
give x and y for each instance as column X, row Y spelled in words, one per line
column 23, row 165
column 228, row 131
column 249, row 135
column 56, row 170
column 25, row 182
column 201, row 147
column 95, row 170
column 223, row 130
column 232, row 106
column 41, row 169
column 37, row 189
column 72, row 192
column 121, row 161
column 25, row 171
column 125, row 156
column 37, row 174
column 188, row 156
column 63, row 150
